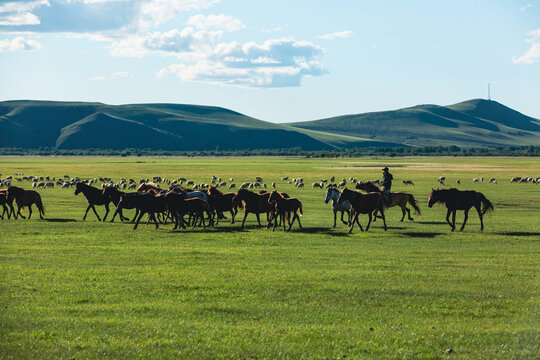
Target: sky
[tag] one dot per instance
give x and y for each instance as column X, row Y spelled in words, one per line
column 279, row 61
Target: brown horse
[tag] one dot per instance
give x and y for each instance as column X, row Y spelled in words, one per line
column 7, row 204
column 179, row 206
column 455, row 199
column 398, row 198
column 284, row 208
column 94, row 196
column 148, row 203
column 25, row 198
column 115, row 195
column 254, row 203
column 221, row 202
column 363, row 204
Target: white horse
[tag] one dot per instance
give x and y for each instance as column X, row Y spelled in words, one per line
column 344, row 207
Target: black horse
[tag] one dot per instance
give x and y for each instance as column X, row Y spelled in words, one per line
column 455, row 199
column 94, row 196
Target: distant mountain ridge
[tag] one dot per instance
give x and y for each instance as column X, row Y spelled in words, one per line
column 84, row 125
column 474, row 122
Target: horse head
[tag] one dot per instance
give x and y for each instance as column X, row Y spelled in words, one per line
column 433, row 197
column 78, row 188
column 330, row 194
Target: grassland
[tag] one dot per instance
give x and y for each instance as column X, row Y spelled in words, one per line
column 73, row 289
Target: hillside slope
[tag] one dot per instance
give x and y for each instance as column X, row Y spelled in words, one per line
column 79, row 125
column 469, row 123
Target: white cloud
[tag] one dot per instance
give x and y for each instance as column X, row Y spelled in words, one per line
column 19, row 13
column 336, row 35
column 19, row 44
column 156, row 12
column 525, row 7
column 224, row 22
column 532, row 55
column 99, row 78
column 18, row 19
column 273, row 28
column 275, row 63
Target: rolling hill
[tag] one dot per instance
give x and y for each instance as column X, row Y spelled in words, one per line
column 79, row 125
column 470, row 123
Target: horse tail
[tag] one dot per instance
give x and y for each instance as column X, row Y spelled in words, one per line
column 488, row 206
column 413, row 203
column 40, row 206
column 300, row 210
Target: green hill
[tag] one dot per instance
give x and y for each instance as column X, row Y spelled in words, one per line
column 79, row 125
column 470, row 123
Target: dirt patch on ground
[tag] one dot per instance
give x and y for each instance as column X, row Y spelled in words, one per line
column 443, row 167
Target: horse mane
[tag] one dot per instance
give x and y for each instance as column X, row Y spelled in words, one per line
column 213, row 190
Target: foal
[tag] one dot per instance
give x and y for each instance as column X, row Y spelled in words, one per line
column 284, row 207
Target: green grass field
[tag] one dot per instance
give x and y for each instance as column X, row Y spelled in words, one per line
column 73, row 289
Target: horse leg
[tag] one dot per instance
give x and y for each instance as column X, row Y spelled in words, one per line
column 141, row 213
column 409, row 214
column 383, row 219
column 369, row 220
column 258, row 219
column 95, row 212
column 454, row 220
column 465, row 217
column 480, row 216
column 135, row 216
column 114, row 215
column 352, row 223
column 233, row 214
column 19, row 212
column 153, row 216
column 448, row 212
column 295, row 215
column 299, row 224
column 106, row 211
column 375, row 215
column 86, row 213
column 244, row 221
column 209, row 220
column 29, row 211
column 335, row 217
column 403, row 213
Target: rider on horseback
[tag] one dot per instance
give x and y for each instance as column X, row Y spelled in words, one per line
column 386, row 185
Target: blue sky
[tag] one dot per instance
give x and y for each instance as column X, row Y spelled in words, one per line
column 274, row 60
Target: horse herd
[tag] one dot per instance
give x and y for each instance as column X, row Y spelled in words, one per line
column 208, row 207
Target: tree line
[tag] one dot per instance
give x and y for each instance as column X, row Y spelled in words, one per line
column 528, row 150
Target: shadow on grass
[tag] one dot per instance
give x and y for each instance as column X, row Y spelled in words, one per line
column 422, row 234
column 519, row 233
column 57, row 220
column 432, row 222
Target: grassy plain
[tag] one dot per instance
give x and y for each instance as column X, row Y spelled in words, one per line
column 73, row 289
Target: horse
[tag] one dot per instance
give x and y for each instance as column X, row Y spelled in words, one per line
column 455, row 199
column 284, row 207
column 94, row 196
column 7, row 204
column 398, row 198
column 333, row 194
column 25, row 198
column 149, row 203
column 363, row 204
column 221, row 202
column 254, row 203
column 115, row 195
column 179, row 206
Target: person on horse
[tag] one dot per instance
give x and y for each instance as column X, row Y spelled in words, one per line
column 386, row 185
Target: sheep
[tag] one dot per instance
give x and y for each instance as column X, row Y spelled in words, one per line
column 49, row 184
column 441, row 180
column 407, row 182
column 285, row 178
column 274, row 185
column 315, row 185
column 475, row 180
column 231, row 186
